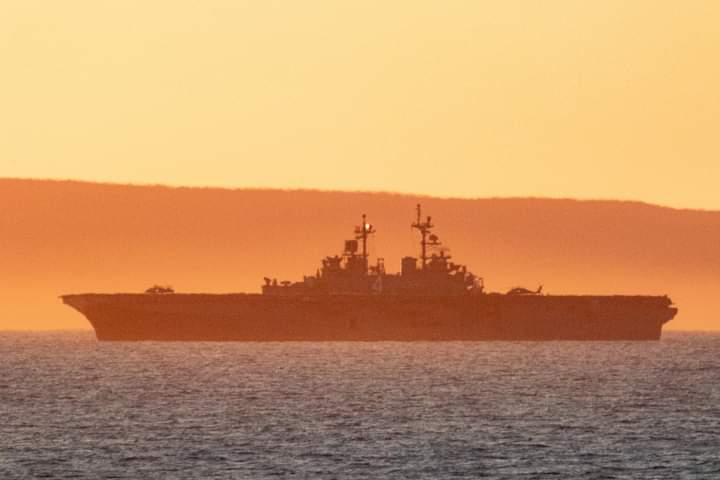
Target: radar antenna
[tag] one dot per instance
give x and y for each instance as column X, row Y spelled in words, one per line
column 425, row 229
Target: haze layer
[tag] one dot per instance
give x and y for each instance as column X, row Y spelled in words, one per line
column 72, row 237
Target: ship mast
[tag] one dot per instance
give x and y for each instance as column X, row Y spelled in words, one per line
column 425, row 228
column 361, row 233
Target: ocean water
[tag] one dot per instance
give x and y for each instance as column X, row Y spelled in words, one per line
column 73, row 407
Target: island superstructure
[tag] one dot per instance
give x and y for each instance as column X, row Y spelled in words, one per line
column 432, row 298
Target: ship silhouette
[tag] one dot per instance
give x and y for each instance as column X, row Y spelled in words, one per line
column 432, row 298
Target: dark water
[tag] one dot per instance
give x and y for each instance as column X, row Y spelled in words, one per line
column 72, row 407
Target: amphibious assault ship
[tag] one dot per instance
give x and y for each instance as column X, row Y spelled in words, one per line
column 430, row 299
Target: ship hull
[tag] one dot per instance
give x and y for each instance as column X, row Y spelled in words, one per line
column 256, row 317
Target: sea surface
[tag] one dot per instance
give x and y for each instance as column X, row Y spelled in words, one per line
column 73, row 407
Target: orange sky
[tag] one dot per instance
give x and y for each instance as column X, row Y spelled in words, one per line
column 561, row 98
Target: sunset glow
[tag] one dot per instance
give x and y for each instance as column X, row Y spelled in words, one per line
column 609, row 99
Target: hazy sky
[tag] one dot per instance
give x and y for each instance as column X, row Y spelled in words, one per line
column 605, row 99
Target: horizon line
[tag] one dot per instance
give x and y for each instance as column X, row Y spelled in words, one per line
column 370, row 192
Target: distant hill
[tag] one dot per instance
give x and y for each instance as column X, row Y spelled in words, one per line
column 61, row 237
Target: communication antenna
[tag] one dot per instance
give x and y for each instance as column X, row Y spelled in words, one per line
column 425, row 229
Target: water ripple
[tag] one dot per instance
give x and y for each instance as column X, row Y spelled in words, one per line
column 72, row 407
